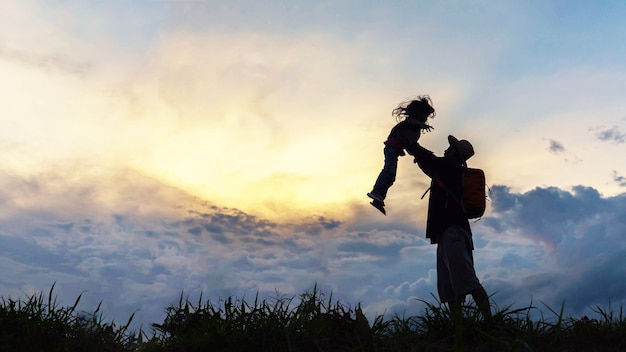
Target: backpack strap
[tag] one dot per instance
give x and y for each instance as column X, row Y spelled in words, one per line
column 448, row 193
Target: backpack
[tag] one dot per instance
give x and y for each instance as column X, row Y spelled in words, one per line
column 473, row 199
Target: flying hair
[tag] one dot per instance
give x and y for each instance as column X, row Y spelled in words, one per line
column 422, row 102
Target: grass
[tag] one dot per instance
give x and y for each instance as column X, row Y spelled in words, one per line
column 311, row 322
column 41, row 324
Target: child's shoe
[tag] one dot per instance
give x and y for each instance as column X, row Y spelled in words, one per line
column 379, row 205
column 376, row 197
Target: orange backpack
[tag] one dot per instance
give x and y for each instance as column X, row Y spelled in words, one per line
column 473, row 199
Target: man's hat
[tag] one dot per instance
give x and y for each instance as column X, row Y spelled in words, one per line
column 463, row 147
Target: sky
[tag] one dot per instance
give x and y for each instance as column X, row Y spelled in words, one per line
column 158, row 148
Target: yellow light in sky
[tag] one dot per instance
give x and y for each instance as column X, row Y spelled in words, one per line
column 276, row 126
column 238, row 163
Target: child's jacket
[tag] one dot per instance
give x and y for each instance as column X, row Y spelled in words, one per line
column 405, row 134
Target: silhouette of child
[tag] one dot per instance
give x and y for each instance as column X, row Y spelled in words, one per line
column 411, row 116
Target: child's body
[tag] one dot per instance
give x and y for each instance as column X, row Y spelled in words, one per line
column 412, row 115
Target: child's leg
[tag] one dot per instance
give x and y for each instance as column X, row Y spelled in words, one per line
column 387, row 175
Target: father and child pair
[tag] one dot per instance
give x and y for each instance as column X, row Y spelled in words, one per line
column 447, row 223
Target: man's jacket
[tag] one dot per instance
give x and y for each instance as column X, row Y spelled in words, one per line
column 443, row 209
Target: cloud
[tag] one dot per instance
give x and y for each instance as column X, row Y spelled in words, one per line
column 619, row 179
column 612, row 135
column 556, row 147
column 48, row 62
column 545, row 214
column 581, row 232
column 148, row 242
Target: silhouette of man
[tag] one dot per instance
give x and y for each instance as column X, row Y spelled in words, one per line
column 448, row 226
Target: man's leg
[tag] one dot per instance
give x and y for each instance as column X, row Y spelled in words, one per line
column 482, row 301
column 459, row 261
column 456, row 307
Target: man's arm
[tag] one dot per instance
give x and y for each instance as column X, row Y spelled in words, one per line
column 425, row 159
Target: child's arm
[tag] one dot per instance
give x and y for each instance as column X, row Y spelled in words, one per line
column 425, row 127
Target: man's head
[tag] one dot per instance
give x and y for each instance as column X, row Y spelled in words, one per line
column 459, row 150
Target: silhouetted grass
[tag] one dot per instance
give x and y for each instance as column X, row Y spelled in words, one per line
column 310, row 322
column 40, row 324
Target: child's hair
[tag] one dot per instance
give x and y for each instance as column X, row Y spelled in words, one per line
column 419, row 107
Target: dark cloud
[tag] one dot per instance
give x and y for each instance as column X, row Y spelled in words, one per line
column 579, row 287
column 619, row 179
column 556, row 147
column 583, row 232
column 611, row 135
column 195, row 230
column 597, row 284
column 545, row 214
column 388, row 251
column 317, row 225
